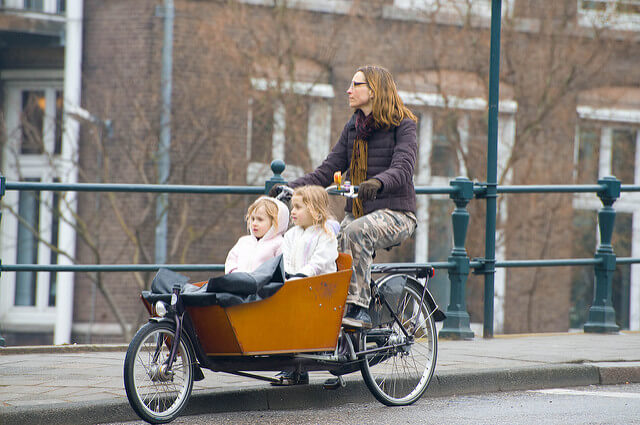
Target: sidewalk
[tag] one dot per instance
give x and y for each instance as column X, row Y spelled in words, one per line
column 83, row 384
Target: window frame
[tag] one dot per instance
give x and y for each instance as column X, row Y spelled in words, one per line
column 45, row 167
column 607, row 120
column 609, row 17
column 48, row 6
column 479, row 8
column 506, row 138
column 318, row 131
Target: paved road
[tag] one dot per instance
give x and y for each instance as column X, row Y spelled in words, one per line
column 83, row 385
column 608, row 404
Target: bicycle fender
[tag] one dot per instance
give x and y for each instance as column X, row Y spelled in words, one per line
column 438, row 315
column 391, row 286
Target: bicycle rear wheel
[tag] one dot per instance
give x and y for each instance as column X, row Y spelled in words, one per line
column 399, row 375
column 156, row 394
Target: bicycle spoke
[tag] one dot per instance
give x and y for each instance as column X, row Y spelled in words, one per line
column 399, row 376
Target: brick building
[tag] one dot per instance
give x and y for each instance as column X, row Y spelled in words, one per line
column 257, row 80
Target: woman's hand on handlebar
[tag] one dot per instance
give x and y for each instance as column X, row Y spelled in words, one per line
column 369, row 189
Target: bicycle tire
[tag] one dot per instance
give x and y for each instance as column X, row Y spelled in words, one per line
column 155, row 396
column 399, row 376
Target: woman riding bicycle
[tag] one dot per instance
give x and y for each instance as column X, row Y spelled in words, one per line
column 376, row 151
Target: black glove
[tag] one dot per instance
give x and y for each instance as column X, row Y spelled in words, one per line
column 368, row 189
column 275, row 190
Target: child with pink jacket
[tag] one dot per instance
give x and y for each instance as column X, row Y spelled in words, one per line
column 267, row 220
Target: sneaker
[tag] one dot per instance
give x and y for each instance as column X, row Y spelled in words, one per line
column 356, row 317
column 291, row 378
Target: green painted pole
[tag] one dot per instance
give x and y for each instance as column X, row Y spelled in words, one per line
column 492, row 169
column 2, row 188
column 602, row 316
column 456, row 325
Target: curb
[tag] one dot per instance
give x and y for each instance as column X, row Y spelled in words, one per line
column 233, row 399
column 60, row 349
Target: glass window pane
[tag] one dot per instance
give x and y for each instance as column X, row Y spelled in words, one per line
column 61, row 6
column 261, row 130
column 34, row 5
column 623, row 154
column 440, row 245
column 589, row 149
column 32, row 120
column 631, row 7
column 443, row 151
column 584, row 246
column 57, row 149
column 55, row 225
column 28, row 211
column 621, row 280
column 594, row 5
column 296, row 131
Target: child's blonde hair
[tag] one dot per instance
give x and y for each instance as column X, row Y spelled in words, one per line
column 315, row 198
column 269, row 206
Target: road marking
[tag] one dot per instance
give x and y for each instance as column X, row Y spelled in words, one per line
column 565, row 391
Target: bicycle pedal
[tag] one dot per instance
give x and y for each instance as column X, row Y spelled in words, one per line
column 334, row 383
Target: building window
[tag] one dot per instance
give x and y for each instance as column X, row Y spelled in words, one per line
column 444, row 158
column 613, row 14
column 588, row 154
column 37, row 5
column 452, row 129
column 607, row 143
column 584, row 246
column 31, row 220
column 28, row 229
column 585, row 223
column 623, row 153
column 292, row 123
column 441, row 244
column 32, row 122
column 460, row 8
column 605, row 149
column 326, row 6
column 46, row 6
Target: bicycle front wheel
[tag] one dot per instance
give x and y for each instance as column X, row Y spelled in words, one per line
column 157, row 394
column 399, row 375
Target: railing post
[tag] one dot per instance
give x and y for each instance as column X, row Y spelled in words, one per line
column 456, row 325
column 602, row 316
column 277, row 167
column 2, row 189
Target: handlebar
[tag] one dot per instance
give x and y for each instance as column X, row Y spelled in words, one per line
column 286, row 192
column 352, row 192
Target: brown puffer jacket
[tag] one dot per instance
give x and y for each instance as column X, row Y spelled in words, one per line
column 391, row 159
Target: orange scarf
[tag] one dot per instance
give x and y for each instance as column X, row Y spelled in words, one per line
column 358, row 166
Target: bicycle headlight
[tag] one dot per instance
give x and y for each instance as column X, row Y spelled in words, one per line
column 160, row 308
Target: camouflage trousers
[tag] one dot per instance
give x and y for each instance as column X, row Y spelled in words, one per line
column 361, row 237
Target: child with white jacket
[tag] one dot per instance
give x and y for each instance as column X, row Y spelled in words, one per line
column 267, row 220
column 310, row 247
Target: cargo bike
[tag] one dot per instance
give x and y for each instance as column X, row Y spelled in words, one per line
column 298, row 328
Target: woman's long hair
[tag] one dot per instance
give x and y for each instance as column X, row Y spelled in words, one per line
column 388, row 109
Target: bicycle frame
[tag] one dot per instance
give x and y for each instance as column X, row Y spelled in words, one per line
column 344, row 357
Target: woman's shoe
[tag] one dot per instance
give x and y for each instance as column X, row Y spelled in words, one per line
column 356, row 317
column 291, row 378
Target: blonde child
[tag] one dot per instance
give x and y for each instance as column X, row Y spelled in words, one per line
column 310, row 247
column 267, row 220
